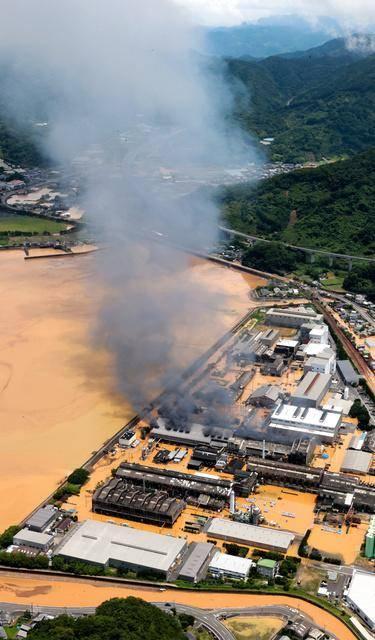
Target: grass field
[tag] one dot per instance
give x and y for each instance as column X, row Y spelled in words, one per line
column 254, row 627
column 29, row 224
column 334, row 282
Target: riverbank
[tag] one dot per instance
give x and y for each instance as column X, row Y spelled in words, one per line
column 75, row 592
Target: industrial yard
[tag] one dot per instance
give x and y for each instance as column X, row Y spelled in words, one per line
column 253, row 452
column 280, row 472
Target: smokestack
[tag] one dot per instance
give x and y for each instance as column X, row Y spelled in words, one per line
column 263, row 449
column 232, row 503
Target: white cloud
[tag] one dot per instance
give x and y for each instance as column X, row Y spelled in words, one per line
column 351, row 13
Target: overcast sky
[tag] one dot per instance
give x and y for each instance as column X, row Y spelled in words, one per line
column 351, row 13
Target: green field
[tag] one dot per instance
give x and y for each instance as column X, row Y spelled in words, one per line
column 29, row 224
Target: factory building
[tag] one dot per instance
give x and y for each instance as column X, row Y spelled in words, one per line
column 109, row 545
column 269, row 337
column 292, row 317
column 288, row 475
column 306, row 421
column 274, row 367
column 370, row 539
column 311, row 390
column 338, row 491
column 33, row 540
column 195, row 566
column 286, row 347
column 347, row 372
column 190, row 435
column 224, row 565
column 120, row 498
column 205, row 490
column 325, row 362
column 319, row 334
column 361, row 596
column 357, row 462
column 250, row 535
column 42, row 518
column 266, row 395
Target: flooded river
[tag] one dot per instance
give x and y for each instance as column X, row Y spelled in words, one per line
column 57, row 399
column 67, row 592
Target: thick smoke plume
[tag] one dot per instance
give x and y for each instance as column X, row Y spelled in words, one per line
column 143, row 119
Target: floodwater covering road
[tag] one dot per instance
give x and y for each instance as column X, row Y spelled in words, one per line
column 72, row 592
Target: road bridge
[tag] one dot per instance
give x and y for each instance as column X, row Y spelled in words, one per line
column 310, row 252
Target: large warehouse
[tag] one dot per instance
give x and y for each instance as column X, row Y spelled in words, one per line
column 196, row 564
column 311, row 390
column 105, row 544
column 301, row 421
column 250, row 535
column 292, row 317
column 361, row 596
column 123, row 500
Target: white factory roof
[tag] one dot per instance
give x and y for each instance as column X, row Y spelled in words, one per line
column 318, row 330
column 357, row 461
column 314, row 349
column 338, row 405
column 361, row 593
column 233, row 564
column 250, row 534
column 26, row 536
column 327, row 420
column 287, row 342
column 101, row 542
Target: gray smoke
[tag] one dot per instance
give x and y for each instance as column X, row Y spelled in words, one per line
column 143, row 119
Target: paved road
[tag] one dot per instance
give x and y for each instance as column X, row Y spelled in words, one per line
column 310, row 250
column 210, row 619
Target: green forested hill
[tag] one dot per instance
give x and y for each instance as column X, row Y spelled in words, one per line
column 331, row 207
column 314, row 106
column 130, row 619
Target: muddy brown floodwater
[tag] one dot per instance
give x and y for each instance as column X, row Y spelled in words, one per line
column 57, row 402
column 67, row 592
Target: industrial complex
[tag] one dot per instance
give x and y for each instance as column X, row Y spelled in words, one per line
column 253, row 452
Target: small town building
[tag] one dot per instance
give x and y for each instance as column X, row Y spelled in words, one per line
column 267, row 568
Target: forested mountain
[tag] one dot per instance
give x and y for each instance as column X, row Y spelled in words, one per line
column 269, row 37
column 331, row 207
column 314, row 106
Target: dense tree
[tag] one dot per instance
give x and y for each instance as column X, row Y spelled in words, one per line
column 271, row 257
column 359, row 411
column 78, row 476
column 6, row 538
column 331, row 207
column 116, row 619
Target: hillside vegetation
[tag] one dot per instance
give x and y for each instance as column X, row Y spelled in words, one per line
column 116, row 619
column 331, row 207
column 314, row 105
